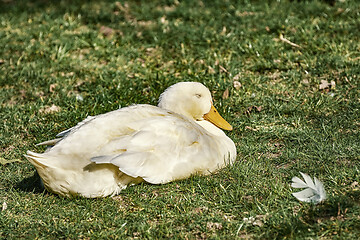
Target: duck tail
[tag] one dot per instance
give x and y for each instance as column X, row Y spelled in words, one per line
column 36, row 159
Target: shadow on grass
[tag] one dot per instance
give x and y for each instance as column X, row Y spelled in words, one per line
column 31, row 184
column 91, row 11
column 335, row 208
column 58, row 7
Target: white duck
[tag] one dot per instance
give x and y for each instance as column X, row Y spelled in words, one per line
column 101, row 155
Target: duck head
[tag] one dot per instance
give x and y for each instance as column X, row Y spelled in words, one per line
column 193, row 100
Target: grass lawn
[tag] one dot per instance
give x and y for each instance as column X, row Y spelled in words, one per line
column 284, row 74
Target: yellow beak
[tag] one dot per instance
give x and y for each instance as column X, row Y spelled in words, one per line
column 214, row 117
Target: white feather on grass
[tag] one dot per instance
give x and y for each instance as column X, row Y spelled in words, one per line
column 314, row 190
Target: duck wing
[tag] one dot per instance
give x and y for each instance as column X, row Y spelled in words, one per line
column 64, row 133
column 164, row 148
column 67, row 131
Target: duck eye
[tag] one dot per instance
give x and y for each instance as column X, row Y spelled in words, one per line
column 198, row 95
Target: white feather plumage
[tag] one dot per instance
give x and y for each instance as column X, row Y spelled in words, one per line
column 314, row 190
